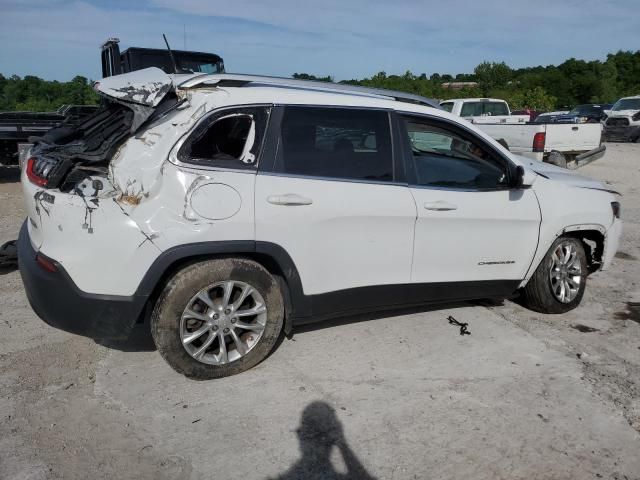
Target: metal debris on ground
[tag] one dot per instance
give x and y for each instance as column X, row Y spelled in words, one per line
column 463, row 326
column 9, row 256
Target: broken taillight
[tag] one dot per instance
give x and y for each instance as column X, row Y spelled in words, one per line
column 39, row 170
column 46, row 263
column 538, row 141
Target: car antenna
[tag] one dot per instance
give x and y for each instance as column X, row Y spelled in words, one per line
column 173, row 59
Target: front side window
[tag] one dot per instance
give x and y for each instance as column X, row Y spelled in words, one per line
column 340, row 143
column 229, row 138
column 444, row 158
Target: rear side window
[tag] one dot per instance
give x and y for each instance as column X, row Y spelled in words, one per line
column 229, row 138
column 340, row 143
column 477, row 109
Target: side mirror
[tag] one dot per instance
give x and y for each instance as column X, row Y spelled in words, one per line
column 518, row 177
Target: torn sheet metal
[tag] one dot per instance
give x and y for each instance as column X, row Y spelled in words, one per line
column 143, row 87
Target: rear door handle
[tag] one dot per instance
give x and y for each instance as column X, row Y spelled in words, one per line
column 289, row 199
column 440, row 206
column 575, row 129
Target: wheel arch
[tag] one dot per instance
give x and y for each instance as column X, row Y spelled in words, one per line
column 592, row 238
column 269, row 255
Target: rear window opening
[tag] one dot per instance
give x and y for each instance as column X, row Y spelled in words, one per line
column 225, row 140
column 230, row 139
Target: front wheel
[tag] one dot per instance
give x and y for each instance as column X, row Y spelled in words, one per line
column 558, row 283
column 217, row 318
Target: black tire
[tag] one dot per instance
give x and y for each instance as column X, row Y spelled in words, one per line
column 165, row 319
column 557, row 158
column 538, row 294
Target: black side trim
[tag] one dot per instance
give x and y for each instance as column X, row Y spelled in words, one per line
column 310, row 308
column 381, row 297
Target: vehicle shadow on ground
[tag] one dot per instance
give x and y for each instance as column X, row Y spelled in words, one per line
column 319, row 433
column 396, row 312
column 9, row 174
column 140, row 339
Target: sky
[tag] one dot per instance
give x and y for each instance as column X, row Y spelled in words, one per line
column 59, row 39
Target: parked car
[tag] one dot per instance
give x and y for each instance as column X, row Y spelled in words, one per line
column 553, row 143
column 623, row 121
column 589, row 113
column 550, row 117
column 226, row 209
column 533, row 114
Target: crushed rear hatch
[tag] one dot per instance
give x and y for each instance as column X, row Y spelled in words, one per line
column 129, row 101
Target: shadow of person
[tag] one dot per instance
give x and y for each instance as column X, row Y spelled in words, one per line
column 319, row 433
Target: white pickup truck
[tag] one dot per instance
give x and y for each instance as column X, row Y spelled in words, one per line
column 560, row 144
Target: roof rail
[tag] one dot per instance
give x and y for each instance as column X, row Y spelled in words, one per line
column 240, row 80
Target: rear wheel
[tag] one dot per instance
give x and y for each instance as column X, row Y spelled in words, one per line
column 558, row 283
column 218, row 318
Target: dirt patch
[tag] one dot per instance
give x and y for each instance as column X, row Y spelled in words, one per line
column 632, row 313
column 584, row 328
column 625, row 256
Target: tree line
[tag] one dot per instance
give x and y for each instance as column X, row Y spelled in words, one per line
column 31, row 93
column 571, row 83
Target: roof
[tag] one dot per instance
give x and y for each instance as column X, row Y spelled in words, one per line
column 239, row 80
column 474, row 100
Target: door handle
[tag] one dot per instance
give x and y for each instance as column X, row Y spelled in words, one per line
column 289, row 199
column 575, row 129
column 440, row 206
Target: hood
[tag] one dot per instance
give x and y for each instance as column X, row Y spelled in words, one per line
column 143, row 87
column 562, row 175
column 622, row 113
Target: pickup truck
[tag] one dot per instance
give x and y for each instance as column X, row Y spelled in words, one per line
column 476, row 109
column 623, row 121
column 560, row 144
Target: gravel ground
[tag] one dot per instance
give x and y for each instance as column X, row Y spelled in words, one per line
column 401, row 395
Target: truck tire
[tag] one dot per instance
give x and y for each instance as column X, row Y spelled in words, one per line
column 217, row 318
column 558, row 283
column 557, row 158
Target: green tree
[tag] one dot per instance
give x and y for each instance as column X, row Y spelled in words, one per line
column 491, row 75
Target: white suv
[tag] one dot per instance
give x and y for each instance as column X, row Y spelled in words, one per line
column 226, row 209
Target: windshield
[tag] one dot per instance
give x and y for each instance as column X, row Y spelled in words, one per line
column 627, row 104
column 586, row 109
column 477, row 109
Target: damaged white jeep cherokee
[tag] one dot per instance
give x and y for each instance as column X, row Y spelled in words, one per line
column 225, row 209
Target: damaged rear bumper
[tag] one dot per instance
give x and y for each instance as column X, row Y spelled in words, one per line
column 57, row 300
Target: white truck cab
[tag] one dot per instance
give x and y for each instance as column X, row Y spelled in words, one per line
column 623, row 120
column 226, row 209
column 483, row 110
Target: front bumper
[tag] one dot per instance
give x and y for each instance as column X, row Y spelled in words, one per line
column 57, row 300
column 629, row 133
